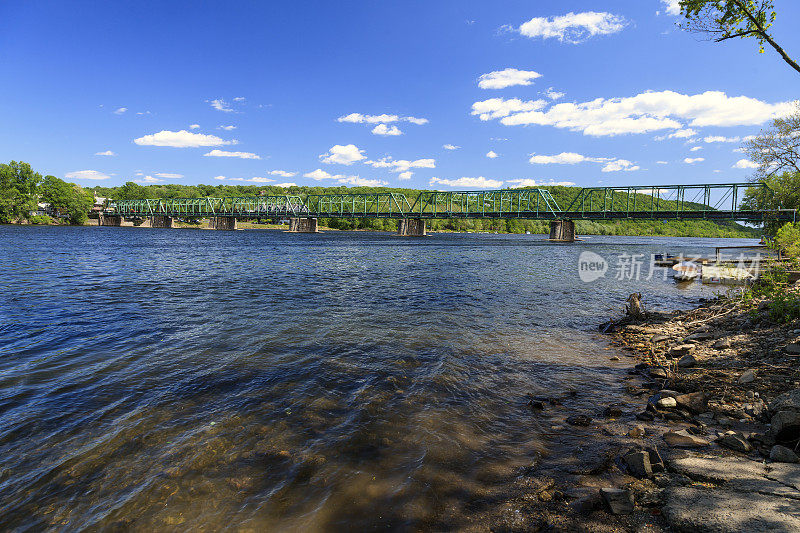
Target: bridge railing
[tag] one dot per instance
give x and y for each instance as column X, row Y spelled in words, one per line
column 358, row 205
column 255, row 206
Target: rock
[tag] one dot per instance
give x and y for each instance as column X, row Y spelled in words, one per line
column 638, row 463
column 635, row 308
column 681, row 350
column 687, row 361
column 636, row 432
column 586, row 504
column 667, row 403
column 748, row 376
column 618, row 501
column 786, row 401
column 782, row 454
column 612, row 411
column 735, row 441
column 785, row 426
column 722, row 344
column 696, row 402
column 658, row 373
column 659, row 338
column 656, row 462
column 699, row 336
column 684, row 439
column 579, row 420
column 613, row 358
column 645, row 416
column 792, row 349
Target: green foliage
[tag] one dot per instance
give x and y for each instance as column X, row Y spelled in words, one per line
column 18, row 186
column 783, row 192
column 43, row 220
column 783, row 302
column 788, row 239
column 66, row 199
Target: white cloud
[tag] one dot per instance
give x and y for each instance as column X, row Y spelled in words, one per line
column 661, row 162
column 683, row 133
column 619, row 164
column 383, row 129
column 220, row 178
column 225, row 153
column 695, row 148
column 573, row 27
column 120, row 110
column 645, row 112
column 239, row 99
column 148, row 179
column 221, row 105
column 745, row 163
column 255, row 179
column 227, row 128
column 450, row 147
column 723, row 139
column 107, row 152
column 500, row 79
column 491, row 154
column 534, row 183
column 358, row 118
column 169, row 175
column 261, row 180
column 476, row 183
column 86, row 175
column 282, row 173
column 405, row 175
column 693, row 160
column 499, row 107
column 194, row 126
column 320, row 174
column 552, row 94
column 285, row 185
column 360, row 182
column 342, row 154
column 181, row 139
column 564, row 158
column 671, row 7
column 738, row 150
column 401, row 165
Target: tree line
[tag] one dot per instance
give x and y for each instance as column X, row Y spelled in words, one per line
column 21, row 190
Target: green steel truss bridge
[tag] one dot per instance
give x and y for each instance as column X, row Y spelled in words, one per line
column 661, row 202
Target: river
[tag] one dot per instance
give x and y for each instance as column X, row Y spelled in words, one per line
column 260, row 380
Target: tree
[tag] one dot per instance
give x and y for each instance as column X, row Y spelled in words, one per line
column 777, row 148
column 18, row 184
column 730, row 19
column 66, row 198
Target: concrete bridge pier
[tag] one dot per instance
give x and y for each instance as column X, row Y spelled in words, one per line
column 222, row 223
column 411, row 227
column 112, row 220
column 303, row 225
column 562, row 230
column 160, row 221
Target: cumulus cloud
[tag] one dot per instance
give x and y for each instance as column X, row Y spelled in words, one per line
column 225, row 153
column 450, row 147
column 693, row 160
column 358, row 118
column 342, row 154
column 148, row 179
column 360, row 182
column 220, row 178
column 527, row 182
column 107, row 152
column 491, row 154
column 683, row 133
column 745, row 163
column 645, row 112
column 552, row 94
column 619, row 164
column 228, row 128
column 401, row 166
column 282, row 173
column 239, row 99
column 723, row 139
column 181, row 139
column 573, row 28
column 475, row 183
column 286, row 185
column 221, row 105
column 120, row 110
column 671, row 7
column 320, row 174
column 169, row 175
column 86, row 175
column 695, row 148
column 610, row 164
column 500, row 79
column 386, row 131
column 661, row 162
column 194, row 126
column 405, row 175
column 254, row 179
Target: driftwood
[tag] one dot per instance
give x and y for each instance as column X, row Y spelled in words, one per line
column 634, row 307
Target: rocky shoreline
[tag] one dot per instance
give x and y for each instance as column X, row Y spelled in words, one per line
column 716, row 396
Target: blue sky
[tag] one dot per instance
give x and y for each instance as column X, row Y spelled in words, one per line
column 403, row 93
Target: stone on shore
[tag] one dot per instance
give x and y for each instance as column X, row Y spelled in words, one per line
column 687, row 361
column 786, row 416
column 618, row 501
column 579, row 420
column 638, row 463
column 667, row 402
column 748, row 376
column 735, row 441
column 684, row 439
column 782, row 454
column 681, row 350
column 636, row 432
column 696, row 402
column 722, row 344
column 792, row 349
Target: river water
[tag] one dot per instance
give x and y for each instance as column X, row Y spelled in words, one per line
column 260, row 380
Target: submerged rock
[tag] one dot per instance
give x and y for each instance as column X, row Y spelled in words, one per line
column 579, row 420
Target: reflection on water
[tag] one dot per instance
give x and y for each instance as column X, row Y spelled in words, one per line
column 178, row 378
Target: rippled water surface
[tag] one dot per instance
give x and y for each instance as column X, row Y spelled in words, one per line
column 176, row 379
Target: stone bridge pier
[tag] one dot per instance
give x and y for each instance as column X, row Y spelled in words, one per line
column 222, row 223
column 562, row 230
column 303, row 225
column 112, row 220
column 411, row 227
column 160, row 221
